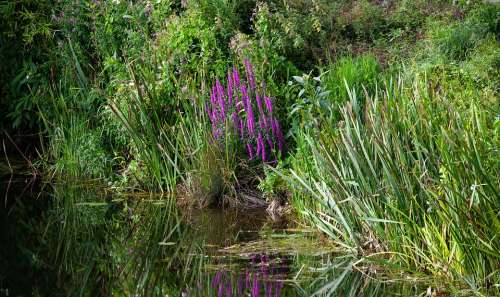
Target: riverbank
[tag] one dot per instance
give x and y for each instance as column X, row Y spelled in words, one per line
column 374, row 122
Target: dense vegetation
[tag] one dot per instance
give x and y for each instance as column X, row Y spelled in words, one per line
column 378, row 122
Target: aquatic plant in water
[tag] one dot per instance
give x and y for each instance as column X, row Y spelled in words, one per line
column 243, row 109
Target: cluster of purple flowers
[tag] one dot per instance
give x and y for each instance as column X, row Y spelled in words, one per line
column 247, row 112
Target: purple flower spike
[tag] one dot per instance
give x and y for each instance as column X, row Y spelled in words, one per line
column 229, row 288
column 250, row 150
column 259, row 147
column 249, row 72
column 240, row 285
column 250, row 121
column 259, row 103
column 262, row 123
column 269, row 104
column 255, row 286
column 244, row 97
column 277, row 293
column 220, row 292
column 274, row 127
column 260, row 143
column 229, row 89
column 217, row 278
column 236, row 77
column 220, row 98
column 271, row 143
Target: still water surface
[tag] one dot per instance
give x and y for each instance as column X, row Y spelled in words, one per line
column 77, row 240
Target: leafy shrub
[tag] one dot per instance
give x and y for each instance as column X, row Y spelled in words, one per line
column 456, row 42
column 367, row 20
column 488, row 15
column 297, row 29
column 25, row 41
column 190, row 45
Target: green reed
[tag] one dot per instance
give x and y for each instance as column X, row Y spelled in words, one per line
column 413, row 177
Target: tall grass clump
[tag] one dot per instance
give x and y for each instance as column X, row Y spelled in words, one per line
column 161, row 135
column 414, row 177
column 359, row 73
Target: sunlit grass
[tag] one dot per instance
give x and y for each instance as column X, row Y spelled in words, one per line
column 413, row 175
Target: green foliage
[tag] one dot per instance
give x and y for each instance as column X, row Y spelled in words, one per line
column 455, row 43
column 403, row 166
column 360, row 73
column 297, row 29
column 368, row 20
column 393, row 169
column 488, row 15
column 409, row 181
column 190, row 45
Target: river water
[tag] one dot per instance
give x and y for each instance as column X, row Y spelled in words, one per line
column 76, row 239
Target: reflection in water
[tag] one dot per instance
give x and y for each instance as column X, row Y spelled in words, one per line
column 261, row 278
column 80, row 241
column 86, row 243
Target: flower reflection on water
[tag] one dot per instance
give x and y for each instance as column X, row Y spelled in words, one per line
column 263, row 277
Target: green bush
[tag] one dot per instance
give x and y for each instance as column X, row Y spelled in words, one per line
column 456, row 42
column 368, row 20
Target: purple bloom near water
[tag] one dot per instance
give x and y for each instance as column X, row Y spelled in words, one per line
column 249, row 111
column 255, row 286
column 220, row 99
column 220, row 292
column 260, row 279
column 229, row 288
column 249, row 73
column 269, row 104
column 261, row 145
column 259, row 104
column 240, row 285
column 236, row 77
column 229, row 89
column 231, row 110
column 262, row 124
column 217, row 278
column 250, row 150
column 270, row 143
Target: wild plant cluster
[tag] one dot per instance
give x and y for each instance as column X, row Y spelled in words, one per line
column 376, row 122
column 245, row 111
